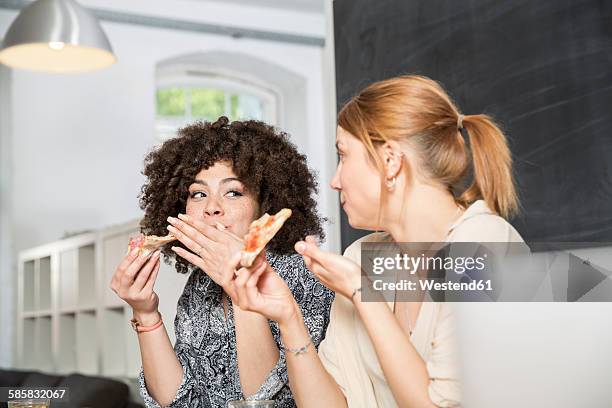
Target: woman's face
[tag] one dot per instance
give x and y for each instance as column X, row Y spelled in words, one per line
column 358, row 182
column 216, row 195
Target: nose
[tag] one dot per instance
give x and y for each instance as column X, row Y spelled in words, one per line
column 335, row 181
column 213, row 207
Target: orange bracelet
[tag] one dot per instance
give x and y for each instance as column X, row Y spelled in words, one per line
column 139, row 328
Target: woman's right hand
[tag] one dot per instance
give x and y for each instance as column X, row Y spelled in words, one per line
column 133, row 282
column 260, row 289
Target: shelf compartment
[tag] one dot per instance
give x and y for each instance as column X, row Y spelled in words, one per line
column 66, row 362
column 29, row 296
column 68, row 280
column 87, row 343
column 29, row 343
column 86, row 276
column 113, row 354
column 43, row 345
column 44, row 283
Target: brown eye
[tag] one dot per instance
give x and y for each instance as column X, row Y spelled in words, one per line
column 197, row 194
column 234, row 193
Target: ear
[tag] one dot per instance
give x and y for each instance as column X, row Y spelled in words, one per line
column 393, row 158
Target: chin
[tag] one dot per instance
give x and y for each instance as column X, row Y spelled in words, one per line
column 361, row 224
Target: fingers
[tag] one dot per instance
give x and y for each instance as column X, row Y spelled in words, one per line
column 148, row 287
column 128, row 259
column 240, row 285
column 260, row 271
column 314, row 258
column 190, row 237
column 310, row 249
column 120, row 271
column 251, row 292
column 228, row 272
column 261, row 257
column 127, row 277
column 145, row 272
column 222, row 228
column 189, row 257
column 186, row 222
column 311, row 239
column 234, row 262
column 301, row 247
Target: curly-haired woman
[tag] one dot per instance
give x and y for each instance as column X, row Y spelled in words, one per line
column 206, row 186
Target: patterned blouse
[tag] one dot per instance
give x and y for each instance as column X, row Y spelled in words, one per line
column 206, row 340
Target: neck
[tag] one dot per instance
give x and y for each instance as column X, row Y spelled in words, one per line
column 425, row 216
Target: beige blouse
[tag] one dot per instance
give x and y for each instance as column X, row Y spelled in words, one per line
column 349, row 356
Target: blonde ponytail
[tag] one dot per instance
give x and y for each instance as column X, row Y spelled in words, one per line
column 416, row 110
column 492, row 166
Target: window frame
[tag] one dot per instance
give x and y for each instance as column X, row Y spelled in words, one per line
column 166, row 126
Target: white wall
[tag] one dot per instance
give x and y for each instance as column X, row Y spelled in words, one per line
column 77, row 141
column 6, row 222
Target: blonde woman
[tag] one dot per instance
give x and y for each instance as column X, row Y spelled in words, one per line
column 403, row 146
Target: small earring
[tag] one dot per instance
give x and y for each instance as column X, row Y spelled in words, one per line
column 391, row 183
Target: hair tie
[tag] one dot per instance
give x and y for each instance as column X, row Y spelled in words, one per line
column 460, row 121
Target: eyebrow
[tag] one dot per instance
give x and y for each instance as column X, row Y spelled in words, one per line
column 224, row 181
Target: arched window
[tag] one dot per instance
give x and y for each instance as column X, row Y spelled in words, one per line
column 185, row 94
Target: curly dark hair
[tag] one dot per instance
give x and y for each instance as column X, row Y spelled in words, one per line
column 262, row 158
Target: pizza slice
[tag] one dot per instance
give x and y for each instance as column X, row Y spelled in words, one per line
column 149, row 243
column 261, row 231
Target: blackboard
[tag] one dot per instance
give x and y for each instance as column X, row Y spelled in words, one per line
column 543, row 69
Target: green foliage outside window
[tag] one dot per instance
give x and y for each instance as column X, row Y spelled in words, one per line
column 206, row 104
column 171, row 102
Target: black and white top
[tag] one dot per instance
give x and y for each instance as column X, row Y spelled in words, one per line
column 206, row 339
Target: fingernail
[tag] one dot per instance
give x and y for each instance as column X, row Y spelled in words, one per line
column 171, row 220
column 171, row 228
column 174, row 248
column 300, row 247
column 184, row 217
column 220, row 226
column 134, row 252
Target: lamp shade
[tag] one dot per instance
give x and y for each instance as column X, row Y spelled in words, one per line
column 56, row 36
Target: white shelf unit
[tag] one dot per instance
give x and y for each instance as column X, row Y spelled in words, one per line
column 68, row 319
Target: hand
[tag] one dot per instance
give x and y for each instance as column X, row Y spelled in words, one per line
column 337, row 272
column 260, row 289
column 134, row 279
column 211, row 247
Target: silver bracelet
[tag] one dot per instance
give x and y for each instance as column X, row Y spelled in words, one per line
column 298, row 351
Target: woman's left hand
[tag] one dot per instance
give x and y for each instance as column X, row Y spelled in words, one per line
column 211, row 248
column 337, row 272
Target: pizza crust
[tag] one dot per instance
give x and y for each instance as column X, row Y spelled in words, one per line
column 147, row 244
column 261, row 231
